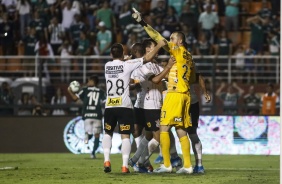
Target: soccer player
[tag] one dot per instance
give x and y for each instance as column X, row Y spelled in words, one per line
column 119, row 107
column 92, row 98
column 175, row 110
column 148, row 104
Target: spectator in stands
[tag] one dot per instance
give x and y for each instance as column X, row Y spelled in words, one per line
column 42, row 7
column 55, row 11
column 104, row 39
column 43, row 48
column 124, row 18
column 171, row 20
column 269, row 101
column 57, row 34
column 106, row 15
column 132, row 39
column 208, row 22
column 117, row 6
column 65, row 51
column 60, row 99
column 229, row 98
column 6, row 99
column 76, row 27
column 188, row 18
column 24, row 9
column 177, row 5
column 29, row 42
column 190, row 38
column 10, row 6
column 211, row 3
column 159, row 25
column 252, row 102
column 257, row 33
column 223, row 47
column 204, row 48
column 83, row 48
column 250, row 66
column 231, row 15
column 39, row 25
column 239, row 62
column 24, row 102
column 159, row 10
column 264, row 12
column 7, row 36
column 68, row 13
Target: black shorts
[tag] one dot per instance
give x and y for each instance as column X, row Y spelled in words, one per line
column 194, row 114
column 152, row 119
column 123, row 116
column 139, row 117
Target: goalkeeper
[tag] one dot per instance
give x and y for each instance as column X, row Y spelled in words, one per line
column 175, row 110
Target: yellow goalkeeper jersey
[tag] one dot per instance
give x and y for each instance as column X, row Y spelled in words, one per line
column 182, row 73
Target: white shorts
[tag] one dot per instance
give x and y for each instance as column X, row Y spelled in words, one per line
column 93, row 126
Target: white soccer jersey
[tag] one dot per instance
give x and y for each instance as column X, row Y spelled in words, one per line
column 117, row 74
column 150, row 96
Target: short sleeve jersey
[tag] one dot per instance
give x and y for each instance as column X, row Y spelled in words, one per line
column 92, row 98
column 117, row 74
column 179, row 75
column 150, row 96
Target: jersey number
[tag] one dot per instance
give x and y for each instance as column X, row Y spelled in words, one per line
column 119, row 87
column 93, row 96
column 185, row 72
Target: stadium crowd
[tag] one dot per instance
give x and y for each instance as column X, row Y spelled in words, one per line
column 89, row 27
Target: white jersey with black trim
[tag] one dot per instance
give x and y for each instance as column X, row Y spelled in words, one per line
column 150, row 96
column 117, row 74
column 193, row 95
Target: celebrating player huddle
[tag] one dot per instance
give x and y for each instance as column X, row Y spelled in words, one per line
column 151, row 112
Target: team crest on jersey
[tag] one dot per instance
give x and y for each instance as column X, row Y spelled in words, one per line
column 124, row 127
column 175, row 47
column 149, row 124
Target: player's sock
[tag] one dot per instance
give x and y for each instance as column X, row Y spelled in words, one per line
column 153, row 145
column 161, row 154
column 96, row 145
column 125, row 151
column 197, row 148
column 138, row 140
column 185, row 147
column 107, row 145
column 144, row 143
column 165, row 144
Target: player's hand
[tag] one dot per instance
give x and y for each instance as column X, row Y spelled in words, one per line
column 127, row 57
column 171, row 62
column 136, row 15
column 207, row 97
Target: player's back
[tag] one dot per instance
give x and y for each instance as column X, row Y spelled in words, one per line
column 117, row 74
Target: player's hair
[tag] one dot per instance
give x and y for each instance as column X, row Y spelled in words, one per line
column 95, row 78
column 182, row 36
column 117, row 51
column 137, row 48
column 147, row 42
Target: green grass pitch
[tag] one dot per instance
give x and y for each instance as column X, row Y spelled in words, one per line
column 80, row 169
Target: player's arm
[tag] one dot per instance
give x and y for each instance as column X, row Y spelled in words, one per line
column 203, row 88
column 158, row 78
column 72, row 94
column 155, row 35
column 149, row 56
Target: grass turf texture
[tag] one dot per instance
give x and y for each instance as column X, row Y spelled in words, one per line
column 70, row 168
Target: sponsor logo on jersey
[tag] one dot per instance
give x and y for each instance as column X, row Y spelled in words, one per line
column 114, row 101
column 176, row 119
column 124, row 127
column 107, row 126
column 114, row 69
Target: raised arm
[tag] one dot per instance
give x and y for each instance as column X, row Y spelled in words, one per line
column 149, row 56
